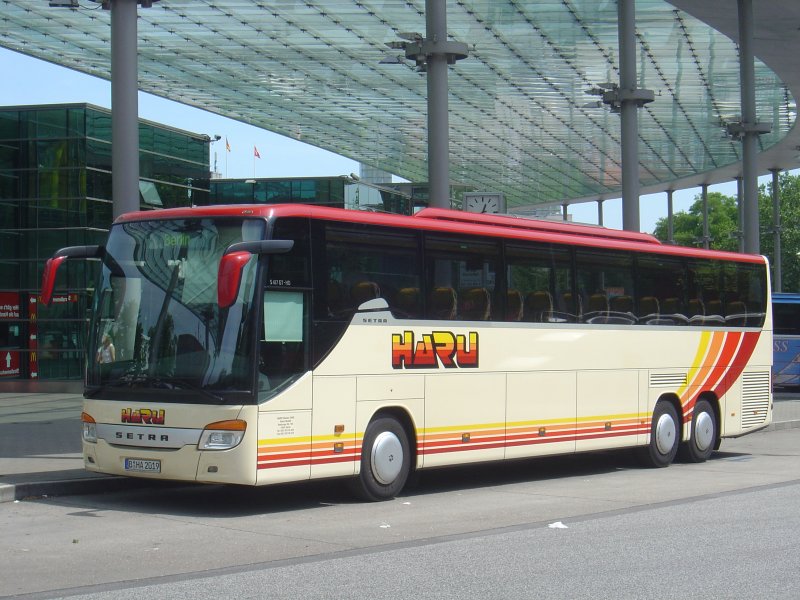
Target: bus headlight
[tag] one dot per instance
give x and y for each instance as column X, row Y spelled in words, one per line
column 89, row 428
column 222, row 435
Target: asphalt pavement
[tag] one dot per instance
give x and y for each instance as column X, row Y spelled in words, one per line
column 40, row 448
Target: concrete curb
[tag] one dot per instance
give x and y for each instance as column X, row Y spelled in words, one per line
column 10, row 492
column 783, row 425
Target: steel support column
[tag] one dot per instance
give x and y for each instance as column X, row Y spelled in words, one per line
column 600, row 213
column 124, row 107
column 670, row 219
column 434, row 54
column 706, row 236
column 629, row 120
column 438, row 121
column 777, row 284
column 740, row 208
column 750, row 224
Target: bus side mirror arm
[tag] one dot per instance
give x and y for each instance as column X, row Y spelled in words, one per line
column 54, row 262
column 236, row 256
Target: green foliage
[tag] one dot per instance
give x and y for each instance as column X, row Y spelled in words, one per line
column 724, row 230
column 789, row 187
column 688, row 226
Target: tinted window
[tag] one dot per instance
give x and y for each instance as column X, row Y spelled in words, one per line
column 605, row 287
column 661, row 290
column 366, row 262
column 539, row 284
column 461, row 277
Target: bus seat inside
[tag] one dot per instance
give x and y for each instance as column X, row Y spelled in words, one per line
column 514, row 305
column 475, row 305
column 442, row 303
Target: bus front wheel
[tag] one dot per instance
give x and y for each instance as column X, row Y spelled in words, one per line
column 704, row 434
column 664, row 437
column 385, row 460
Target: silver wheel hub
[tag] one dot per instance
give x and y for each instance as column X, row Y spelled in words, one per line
column 703, row 431
column 665, row 434
column 387, row 457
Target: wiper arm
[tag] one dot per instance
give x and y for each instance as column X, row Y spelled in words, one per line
column 93, row 391
column 140, row 380
column 183, row 384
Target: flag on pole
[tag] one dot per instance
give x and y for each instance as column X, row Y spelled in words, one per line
column 227, row 145
column 255, row 152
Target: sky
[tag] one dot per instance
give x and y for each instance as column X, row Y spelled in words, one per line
column 31, row 81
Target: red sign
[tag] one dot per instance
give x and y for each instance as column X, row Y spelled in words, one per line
column 33, row 341
column 9, row 305
column 9, row 363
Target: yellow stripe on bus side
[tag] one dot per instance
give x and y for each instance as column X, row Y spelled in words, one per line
column 702, row 349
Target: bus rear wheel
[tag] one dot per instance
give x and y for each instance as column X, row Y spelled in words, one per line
column 704, row 434
column 385, row 460
column 664, row 437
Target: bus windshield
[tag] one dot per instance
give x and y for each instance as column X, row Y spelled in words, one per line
column 156, row 322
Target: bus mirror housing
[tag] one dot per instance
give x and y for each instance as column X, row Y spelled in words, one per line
column 54, row 262
column 229, row 274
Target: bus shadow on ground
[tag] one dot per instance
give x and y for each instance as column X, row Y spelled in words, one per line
column 232, row 501
column 524, row 470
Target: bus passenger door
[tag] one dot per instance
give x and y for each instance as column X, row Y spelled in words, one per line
column 284, row 388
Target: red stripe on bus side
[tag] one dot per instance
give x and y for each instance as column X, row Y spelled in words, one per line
column 739, row 362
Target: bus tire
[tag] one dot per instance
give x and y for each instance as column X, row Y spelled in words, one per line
column 704, row 434
column 385, row 460
column 664, row 437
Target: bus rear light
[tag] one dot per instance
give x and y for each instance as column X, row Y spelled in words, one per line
column 89, row 428
column 222, row 435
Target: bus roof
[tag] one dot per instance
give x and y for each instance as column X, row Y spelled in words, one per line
column 453, row 221
column 514, row 222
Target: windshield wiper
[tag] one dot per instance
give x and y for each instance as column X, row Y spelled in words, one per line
column 141, row 380
column 177, row 383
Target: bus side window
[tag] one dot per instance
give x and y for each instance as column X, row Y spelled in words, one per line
column 462, row 278
column 541, row 275
column 602, row 278
column 661, row 287
column 365, row 263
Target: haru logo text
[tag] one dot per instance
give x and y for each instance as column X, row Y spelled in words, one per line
column 143, row 415
column 434, row 350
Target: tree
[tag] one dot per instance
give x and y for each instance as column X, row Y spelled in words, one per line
column 723, row 226
column 789, row 188
column 688, row 226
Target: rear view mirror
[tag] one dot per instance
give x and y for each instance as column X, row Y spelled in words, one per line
column 229, row 273
column 53, row 263
column 49, row 278
column 229, row 276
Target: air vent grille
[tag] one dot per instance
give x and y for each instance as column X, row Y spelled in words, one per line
column 670, row 380
column 755, row 398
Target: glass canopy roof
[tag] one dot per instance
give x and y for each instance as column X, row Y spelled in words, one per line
column 522, row 118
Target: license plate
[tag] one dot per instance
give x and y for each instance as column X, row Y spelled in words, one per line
column 141, row 465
